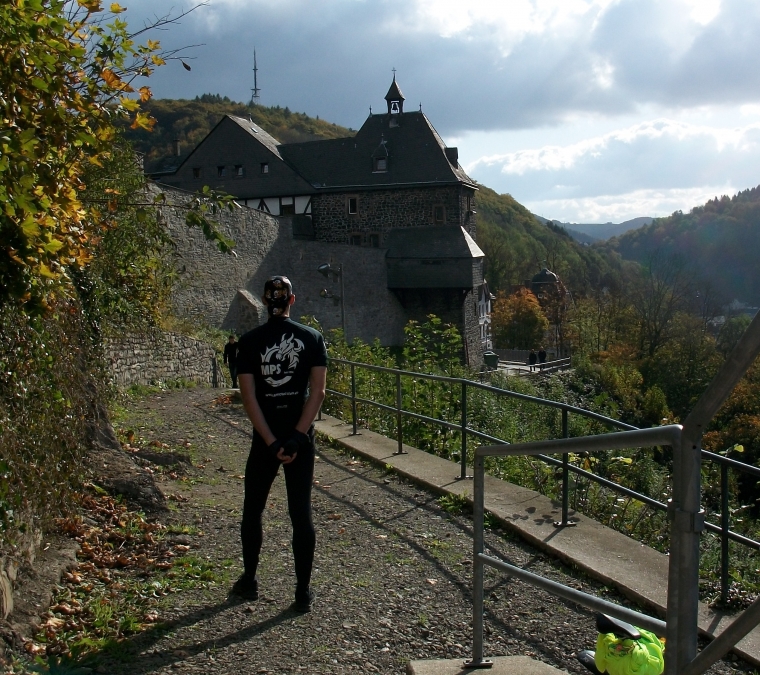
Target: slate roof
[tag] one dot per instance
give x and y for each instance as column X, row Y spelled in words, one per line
column 416, row 156
column 270, row 142
column 437, row 241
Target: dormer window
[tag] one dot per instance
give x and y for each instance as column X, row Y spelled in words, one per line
column 265, row 167
column 381, row 164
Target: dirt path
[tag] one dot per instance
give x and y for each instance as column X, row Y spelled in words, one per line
column 392, row 568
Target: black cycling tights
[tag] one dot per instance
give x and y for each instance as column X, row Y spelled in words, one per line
column 260, row 472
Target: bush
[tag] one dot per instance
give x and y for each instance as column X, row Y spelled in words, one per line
column 49, row 379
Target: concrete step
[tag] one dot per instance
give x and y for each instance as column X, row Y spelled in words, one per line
column 502, row 665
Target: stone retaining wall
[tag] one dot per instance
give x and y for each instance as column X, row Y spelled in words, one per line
column 162, row 357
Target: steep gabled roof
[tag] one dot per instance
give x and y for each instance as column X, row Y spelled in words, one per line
column 416, row 156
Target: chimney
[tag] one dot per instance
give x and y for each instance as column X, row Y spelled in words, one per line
column 452, row 154
column 177, row 148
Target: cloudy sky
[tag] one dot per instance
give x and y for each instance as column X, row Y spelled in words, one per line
column 583, row 110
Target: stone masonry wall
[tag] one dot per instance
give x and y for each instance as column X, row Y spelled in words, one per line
column 451, row 306
column 381, row 210
column 147, row 359
column 209, row 281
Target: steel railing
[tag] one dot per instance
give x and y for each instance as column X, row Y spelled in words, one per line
column 684, row 511
column 723, row 529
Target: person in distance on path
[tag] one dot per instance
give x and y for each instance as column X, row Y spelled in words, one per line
column 230, row 358
column 282, row 371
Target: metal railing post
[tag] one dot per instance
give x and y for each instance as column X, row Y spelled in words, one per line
column 478, row 567
column 463, row 473
column 687, row 524
column 353, row 398
column 724, row 523
column 399, row 432
column 565, row 471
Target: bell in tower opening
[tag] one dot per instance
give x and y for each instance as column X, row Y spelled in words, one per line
column 395, row 98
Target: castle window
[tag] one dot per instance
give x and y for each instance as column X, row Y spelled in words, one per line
column 374, row 240
column 265, row 167
column 353, row 206
column 439, row 214
column 238, row 170
column 221, row 171
column 355, row 239
column 381, row 164
column 196, row 172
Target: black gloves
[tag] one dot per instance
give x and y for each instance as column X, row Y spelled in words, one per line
column 295, row 443
column 292, row 444
column 303, row 440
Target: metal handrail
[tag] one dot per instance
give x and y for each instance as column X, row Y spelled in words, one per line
column 666, row 435
column 723, row 530
column 677, row 659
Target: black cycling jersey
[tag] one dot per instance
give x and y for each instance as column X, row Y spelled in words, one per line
column 280, row 355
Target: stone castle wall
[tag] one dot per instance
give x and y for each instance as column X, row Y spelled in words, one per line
column 223, row 290
column 161, row 357
column 209, row 281
column 381, row 210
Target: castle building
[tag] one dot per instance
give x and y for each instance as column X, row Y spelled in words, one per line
column 393, row 186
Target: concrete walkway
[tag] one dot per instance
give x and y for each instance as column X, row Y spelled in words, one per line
column 637, row 571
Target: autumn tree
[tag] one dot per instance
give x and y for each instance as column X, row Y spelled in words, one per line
column 517, row 320
column 662, row 289
column 66, row 75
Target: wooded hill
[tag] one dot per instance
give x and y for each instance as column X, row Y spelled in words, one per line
column 516, row 244
column 720, row 240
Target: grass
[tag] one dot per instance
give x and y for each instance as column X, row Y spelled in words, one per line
column 455, row 504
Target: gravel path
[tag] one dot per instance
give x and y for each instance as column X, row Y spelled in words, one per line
column 392, row 569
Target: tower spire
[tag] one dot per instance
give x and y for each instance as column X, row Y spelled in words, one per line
column 394, row 97
column 255, row 91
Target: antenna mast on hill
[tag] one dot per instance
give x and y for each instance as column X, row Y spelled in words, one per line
column 255, row 91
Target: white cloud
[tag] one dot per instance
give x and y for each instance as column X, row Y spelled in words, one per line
column 556, row 158
column 703, row 11
column 621, row 207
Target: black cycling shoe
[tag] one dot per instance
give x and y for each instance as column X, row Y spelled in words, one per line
column 246, row 587
column 304, row 601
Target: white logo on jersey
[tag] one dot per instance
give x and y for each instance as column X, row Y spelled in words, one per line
column 272, row 360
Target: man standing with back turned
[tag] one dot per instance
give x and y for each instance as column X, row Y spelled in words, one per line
column 277, row 363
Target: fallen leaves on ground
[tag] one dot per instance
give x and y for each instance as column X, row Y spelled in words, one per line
column 110, row 593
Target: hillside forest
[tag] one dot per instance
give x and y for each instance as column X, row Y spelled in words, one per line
column 721, row 238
